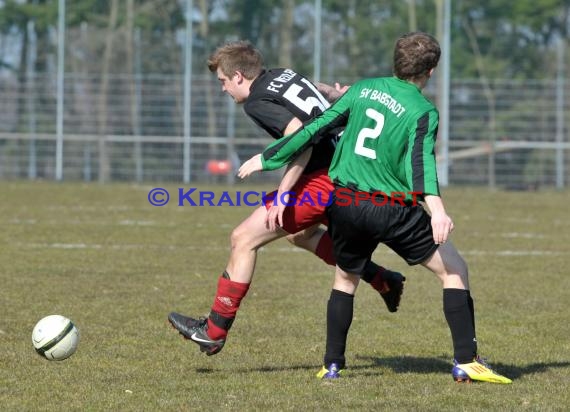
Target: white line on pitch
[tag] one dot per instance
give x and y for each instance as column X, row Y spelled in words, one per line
column 521, row 253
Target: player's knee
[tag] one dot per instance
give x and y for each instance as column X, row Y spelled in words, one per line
column 291, row 239
column 298, row 239
column 456, row 267
column 238, row 237
column 246, row 238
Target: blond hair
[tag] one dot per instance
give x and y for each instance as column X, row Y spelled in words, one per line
column 239, row 56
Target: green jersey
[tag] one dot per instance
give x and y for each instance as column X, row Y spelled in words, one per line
column 388, row 144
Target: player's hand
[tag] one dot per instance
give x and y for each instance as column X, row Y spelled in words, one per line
column 332, row 93
column 272, row 218
column 250, row 166
column 441, row 225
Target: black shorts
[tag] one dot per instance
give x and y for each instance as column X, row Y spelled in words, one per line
column 357, row 229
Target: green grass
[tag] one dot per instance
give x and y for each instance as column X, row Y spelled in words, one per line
column 101, row 255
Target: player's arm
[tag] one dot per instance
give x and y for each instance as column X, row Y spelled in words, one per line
column 283, row 151
column 275, row 119
column 296, row 167
column 332, row 93
column 292, row 173
column 441, row 223
column 291, row 146
column 278, row 121
column 425, row 175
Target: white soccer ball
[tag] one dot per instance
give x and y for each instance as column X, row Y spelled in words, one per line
column 55, row 337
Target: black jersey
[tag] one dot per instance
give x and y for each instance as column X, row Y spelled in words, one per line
column 279, row 95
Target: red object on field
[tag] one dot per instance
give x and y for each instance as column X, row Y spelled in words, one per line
column 219, row 167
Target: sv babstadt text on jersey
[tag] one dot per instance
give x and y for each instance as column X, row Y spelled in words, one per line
column 383, row 98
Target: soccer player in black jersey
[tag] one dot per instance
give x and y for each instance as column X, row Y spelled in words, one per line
column 388, row 146
column 279, row 101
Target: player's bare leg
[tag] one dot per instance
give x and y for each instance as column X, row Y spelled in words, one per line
column 210, row 333
column 246, row 239
column 308, row 238
column 449, row 267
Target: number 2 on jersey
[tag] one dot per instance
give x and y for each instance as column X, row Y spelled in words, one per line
column 369, row 133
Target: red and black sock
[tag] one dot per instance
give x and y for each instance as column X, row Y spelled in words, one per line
column 225, row 307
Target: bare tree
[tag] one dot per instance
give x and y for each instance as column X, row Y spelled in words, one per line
column 412, row 18
column 286, row 35
column 133, row 101
column 204, row 30
column 104, row 166
column 489, row 95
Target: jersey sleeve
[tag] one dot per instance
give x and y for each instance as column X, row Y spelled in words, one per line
column 424, row 171
column 269, row 115
column 283, row 151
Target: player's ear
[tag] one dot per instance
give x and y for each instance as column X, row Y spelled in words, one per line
column 239, row 76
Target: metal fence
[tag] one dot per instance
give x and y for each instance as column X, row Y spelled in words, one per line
column 512, row 134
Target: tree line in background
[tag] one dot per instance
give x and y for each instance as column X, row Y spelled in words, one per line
column 494, row 38
column 113, row 44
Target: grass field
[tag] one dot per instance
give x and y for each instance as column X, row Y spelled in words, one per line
column 101, row 255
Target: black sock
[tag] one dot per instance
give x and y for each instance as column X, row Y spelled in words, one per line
column 472, row 310
column 370, row 271
column 339, row 318
column 460, row 320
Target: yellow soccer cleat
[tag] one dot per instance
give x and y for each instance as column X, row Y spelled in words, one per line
column 477, row 370
column 330, row 372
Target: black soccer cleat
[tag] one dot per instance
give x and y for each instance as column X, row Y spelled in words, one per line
column 392, row 289
column 196, row 331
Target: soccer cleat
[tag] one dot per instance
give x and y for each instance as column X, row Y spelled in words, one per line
column 330, row 372
column 196, row 331
column 391, row 289
column 478, row 370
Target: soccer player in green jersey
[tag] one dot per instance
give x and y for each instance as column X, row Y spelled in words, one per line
column 383, row 163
